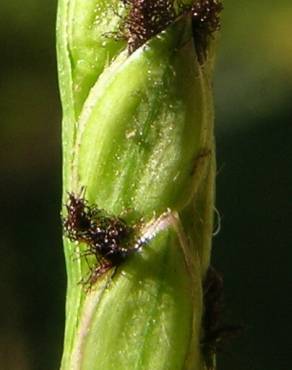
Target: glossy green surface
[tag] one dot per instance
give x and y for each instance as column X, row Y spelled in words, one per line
column 138, row 138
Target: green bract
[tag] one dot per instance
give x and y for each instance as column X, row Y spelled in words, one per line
column 138, row 142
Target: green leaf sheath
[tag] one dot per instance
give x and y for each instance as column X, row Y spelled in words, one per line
column 137, row 128
column 144, row 318
column 138, row 141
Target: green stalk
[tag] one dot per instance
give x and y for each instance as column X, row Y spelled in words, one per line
column 138, row 143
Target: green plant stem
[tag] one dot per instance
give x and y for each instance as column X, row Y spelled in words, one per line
column 138, row 139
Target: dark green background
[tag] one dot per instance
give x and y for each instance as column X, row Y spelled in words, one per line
column 253, row 92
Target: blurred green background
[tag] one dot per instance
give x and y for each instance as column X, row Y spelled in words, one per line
column 253, row 93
